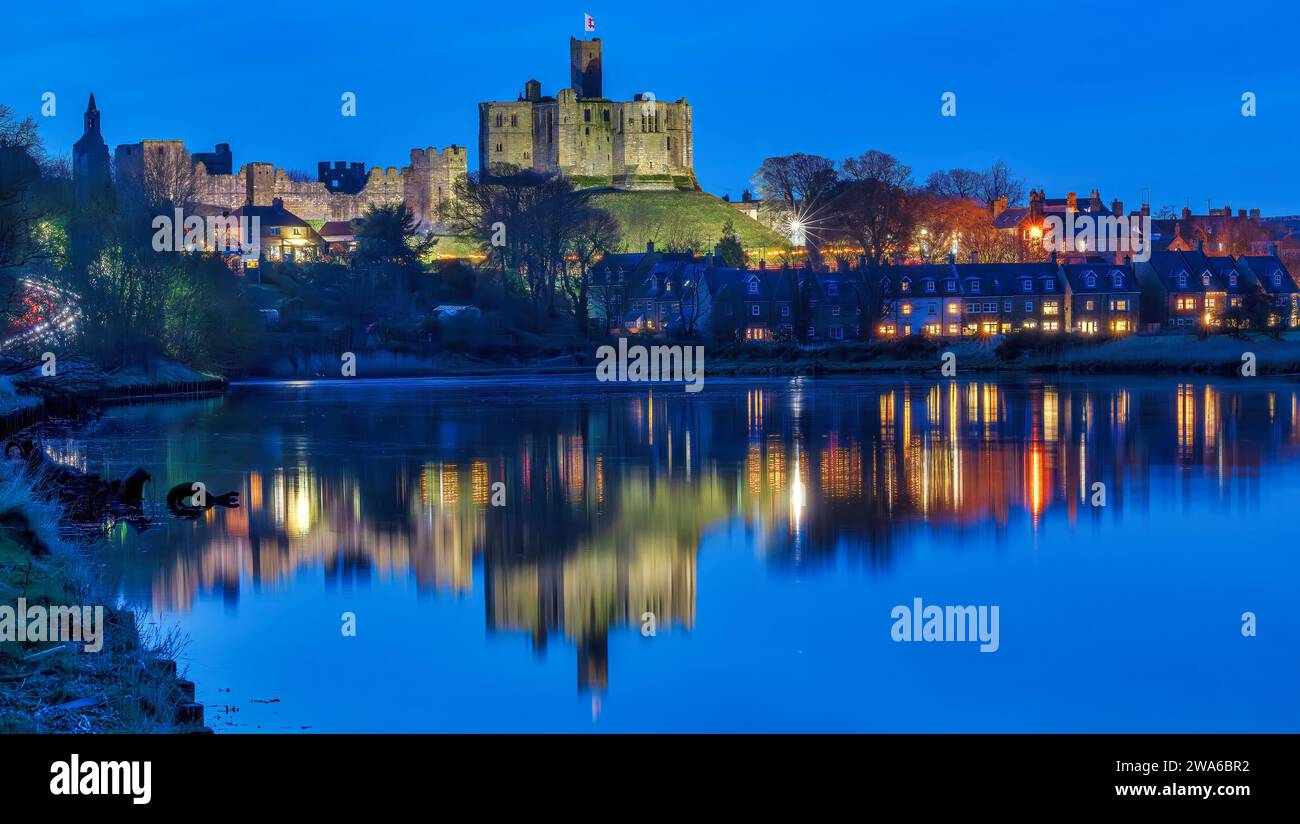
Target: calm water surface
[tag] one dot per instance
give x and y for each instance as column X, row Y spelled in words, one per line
column 770, row 528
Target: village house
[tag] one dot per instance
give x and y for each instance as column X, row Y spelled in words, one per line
column 1181, row 290
column 1269, row 275
column 1104, row 298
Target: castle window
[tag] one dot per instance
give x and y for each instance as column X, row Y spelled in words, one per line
column 501, row 120
column 586, row 115
column 605, row 115
column 499, row 149
column 514, row 120
column 587, row 131
column 670, row 143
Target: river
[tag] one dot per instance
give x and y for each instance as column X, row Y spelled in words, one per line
column 727, row 560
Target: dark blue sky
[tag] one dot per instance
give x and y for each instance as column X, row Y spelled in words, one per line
column 1119, row 96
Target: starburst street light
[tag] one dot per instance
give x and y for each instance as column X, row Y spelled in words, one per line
column 797, row 231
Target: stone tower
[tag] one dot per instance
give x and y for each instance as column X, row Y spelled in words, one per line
column 584, row 67
column 90, row 166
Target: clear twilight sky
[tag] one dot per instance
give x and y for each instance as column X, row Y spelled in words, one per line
column 1121, row 96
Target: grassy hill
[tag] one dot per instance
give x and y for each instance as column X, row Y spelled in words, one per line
column 671, row 217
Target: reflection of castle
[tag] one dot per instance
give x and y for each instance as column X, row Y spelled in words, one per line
column 608, row 498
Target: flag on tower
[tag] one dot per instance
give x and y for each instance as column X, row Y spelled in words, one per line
column 588, row 22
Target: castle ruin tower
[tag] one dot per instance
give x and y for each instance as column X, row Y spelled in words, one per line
column 90, row 167
column 584, row 67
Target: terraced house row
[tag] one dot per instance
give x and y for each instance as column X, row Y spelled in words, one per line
column 680, row 294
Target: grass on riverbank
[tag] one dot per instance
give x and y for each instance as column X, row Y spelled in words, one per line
column 48, row 687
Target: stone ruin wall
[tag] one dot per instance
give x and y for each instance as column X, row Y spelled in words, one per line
column 427, row 187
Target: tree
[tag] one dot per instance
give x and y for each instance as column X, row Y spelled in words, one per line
column 595, row 234
column 998, row 182
column 871, row 207
column 23, row 202
column 956, row 183
column 797, row 178
column 795, row 190
column 730, row 249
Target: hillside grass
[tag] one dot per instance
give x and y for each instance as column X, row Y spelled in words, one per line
column 661, row 216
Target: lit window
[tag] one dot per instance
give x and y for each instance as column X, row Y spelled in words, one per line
column 753, row 310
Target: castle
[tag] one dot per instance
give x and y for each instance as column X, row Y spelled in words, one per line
column 641, row 144
column 342, row 191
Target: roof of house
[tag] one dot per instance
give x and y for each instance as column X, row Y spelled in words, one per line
column 338, row 230
column 1195, row 268
column 1103, row 277
column 1265, row 267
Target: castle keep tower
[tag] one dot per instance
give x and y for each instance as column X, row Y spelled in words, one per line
column 584, row 67
column 644, row 143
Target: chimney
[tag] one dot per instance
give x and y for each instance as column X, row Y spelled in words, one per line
column 1094, row 201
column 1146, row 210
column 650, row 247
column 1241, row 213
column 1117, row 208
column 1254, row 214
column 1272, row 249
column 1035, row 206
column 1053, row 258
column 1200, row 245
column 952, row 259
column 974, row 256
column 1187, row 212
column 762, row 265
column 1072, row 201
column 843, row 264
column 1000, row 206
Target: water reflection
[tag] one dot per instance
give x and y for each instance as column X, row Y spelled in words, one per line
column 608, row 494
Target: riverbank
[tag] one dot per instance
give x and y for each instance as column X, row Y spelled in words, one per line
column 128, row 682
column 112, row 675
column 1020, row 354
